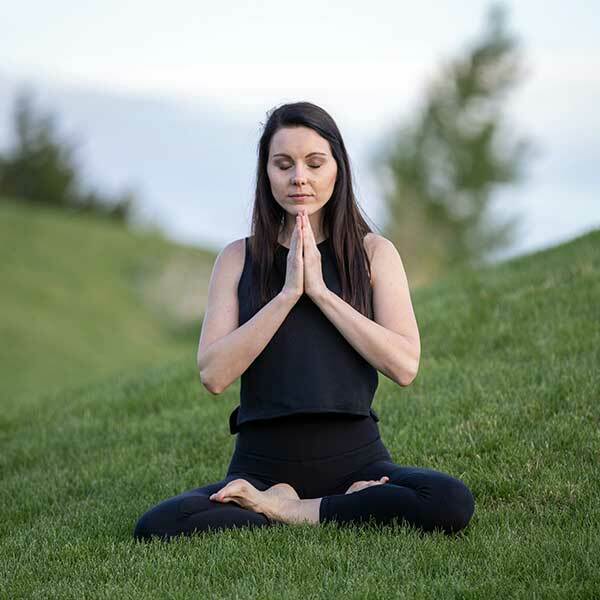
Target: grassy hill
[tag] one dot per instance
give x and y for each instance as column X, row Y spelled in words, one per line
column 83, row 298
column 506, row 398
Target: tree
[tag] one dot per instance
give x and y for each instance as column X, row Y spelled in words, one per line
column 441, row 168
column 41, row 168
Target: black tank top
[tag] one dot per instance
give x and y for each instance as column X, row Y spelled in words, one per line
column 307, row 366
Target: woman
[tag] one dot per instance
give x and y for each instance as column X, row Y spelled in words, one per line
column 306, row 311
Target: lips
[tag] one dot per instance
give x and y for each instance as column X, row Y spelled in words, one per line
column 300, row 195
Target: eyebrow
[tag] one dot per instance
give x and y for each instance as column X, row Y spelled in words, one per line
column 288, row 156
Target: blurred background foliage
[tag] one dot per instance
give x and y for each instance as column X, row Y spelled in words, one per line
column 440, row 169
column 86, row 293
column 41, row 167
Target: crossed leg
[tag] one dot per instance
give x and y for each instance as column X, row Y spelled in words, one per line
column 382, row 491
column 421, row 497
column 192, row 512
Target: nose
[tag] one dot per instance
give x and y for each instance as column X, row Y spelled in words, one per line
column 299, row 177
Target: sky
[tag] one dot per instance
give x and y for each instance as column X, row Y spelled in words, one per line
column 169, row 98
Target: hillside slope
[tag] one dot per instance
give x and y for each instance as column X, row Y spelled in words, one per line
column 83, row 298
column 506, row 398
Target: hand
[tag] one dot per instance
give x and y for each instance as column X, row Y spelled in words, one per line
column 294, row 275
column 360, row 485
column 313, row 273
column 270, row 503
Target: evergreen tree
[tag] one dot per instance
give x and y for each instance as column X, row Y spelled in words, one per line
column 41, row 167
column 440, row 169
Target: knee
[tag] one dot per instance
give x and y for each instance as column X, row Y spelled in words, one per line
column 459, row 506
column 154, row 523
column 145, row 528
column 181, row 515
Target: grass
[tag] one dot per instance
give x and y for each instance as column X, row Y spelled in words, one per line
column 506, row 399
column 70, row 282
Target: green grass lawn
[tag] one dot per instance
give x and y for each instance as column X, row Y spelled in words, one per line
column 506, row 399
column 83, row 298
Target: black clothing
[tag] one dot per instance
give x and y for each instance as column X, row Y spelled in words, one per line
column 305, row 419
column 319, row 455
column 307, row 366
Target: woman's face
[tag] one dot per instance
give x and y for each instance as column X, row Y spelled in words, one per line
column 300, row 161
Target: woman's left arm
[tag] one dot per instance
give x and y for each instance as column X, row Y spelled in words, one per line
column 391, row 342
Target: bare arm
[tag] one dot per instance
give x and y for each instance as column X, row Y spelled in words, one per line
column 225, row 350
column 391, row 342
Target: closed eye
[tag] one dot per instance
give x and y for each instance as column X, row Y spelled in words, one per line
column 311, row 166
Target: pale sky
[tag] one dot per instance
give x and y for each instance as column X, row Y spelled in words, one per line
column 366, row 63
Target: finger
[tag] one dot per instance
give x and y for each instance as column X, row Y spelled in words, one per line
column 296, row 246
column 294, row 241
column 302, row 229
column 308, row 232
column 300, row 236
column 308, row 226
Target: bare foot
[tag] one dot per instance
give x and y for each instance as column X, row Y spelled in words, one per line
column 360, row 485
column 274, row 502
column 282, row 490
column 279, row 500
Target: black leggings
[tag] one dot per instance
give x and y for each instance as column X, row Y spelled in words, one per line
column 320, row 456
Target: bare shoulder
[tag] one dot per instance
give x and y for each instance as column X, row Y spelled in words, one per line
column 379, row 251
column 226, row 271
column 235, row 248
column 230, row 260
column 372, row 241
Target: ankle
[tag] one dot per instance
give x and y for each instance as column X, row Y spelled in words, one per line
column 300, row 511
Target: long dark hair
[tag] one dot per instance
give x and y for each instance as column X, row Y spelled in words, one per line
column 342, row 220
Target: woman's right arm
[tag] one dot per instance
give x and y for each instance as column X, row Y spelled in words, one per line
column 225, row 350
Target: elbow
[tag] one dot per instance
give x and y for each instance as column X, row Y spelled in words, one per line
column 210, row 385
column 406, row 380
column 208, row 381
column 215, row 391
column 408, row 375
